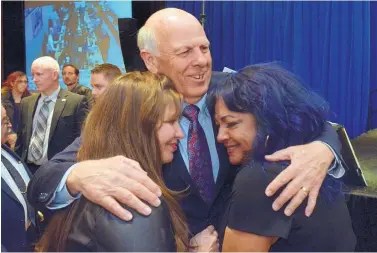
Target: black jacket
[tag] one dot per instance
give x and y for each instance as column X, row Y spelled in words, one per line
column 95, row 229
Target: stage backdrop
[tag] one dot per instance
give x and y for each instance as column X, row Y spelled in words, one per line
column 328, row 44
column 83, row 33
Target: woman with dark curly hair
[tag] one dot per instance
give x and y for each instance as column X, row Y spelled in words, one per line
column 261, row 109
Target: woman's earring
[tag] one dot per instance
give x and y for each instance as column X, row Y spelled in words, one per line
column 265, row 143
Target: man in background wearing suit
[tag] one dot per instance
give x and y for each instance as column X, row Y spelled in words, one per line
column 71, row 76
column 51, row 120
column 18, row 227
column 173, row 43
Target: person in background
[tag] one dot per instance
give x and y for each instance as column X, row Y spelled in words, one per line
column 259, row 110
column 153, row 107
column 13, row 91
column 101, row 77
column 18, row 217
column 51, row 120
column 71, row 76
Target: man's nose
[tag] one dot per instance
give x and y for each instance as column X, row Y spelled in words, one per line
column 200, row 58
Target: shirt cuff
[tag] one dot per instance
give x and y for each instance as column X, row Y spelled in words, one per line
column 61, row 197
column 336, row 169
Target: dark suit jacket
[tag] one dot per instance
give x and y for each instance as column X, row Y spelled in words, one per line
column 46, row 179
column 85, row 91
column 69, row 113
column 13, row 234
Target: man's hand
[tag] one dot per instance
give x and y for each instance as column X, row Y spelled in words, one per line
column 305, row 174
column 107, row 182
column 205, row 241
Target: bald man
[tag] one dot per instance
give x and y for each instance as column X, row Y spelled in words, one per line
column 50, row 120
column 173, row 43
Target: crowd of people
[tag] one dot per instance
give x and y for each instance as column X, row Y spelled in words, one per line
column 176, row 158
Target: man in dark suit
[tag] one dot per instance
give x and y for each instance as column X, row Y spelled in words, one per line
column 71, row 76
column 180, row 50
column 51, row 120
column 18, row 218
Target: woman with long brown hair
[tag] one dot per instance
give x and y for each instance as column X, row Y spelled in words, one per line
column 136, row 117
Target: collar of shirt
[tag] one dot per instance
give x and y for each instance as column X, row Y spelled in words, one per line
column 53, row 96
column 201, row 104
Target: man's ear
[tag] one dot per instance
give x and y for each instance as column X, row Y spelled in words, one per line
column 55, row 75
column 149, row 61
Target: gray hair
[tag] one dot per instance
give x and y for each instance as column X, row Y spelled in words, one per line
column 47, row 62
column 146, row 39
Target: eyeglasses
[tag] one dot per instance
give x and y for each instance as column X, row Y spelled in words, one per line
column 22, row 81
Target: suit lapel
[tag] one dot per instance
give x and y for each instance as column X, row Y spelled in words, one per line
column 177, row 169
column 31, row 107
column 58, row 109
column 5, row 188
column 17, row 158
column 179, row 165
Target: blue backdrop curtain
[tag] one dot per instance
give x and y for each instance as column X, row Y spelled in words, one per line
column 373, row 84
column 327, row 44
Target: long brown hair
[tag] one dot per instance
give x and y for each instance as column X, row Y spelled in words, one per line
column 124, row 121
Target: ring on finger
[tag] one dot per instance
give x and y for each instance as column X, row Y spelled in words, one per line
column 304, row 189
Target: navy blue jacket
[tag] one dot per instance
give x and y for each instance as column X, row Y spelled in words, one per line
column 13, row 234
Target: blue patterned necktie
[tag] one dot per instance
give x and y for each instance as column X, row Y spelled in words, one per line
column 37, row 140
column 200, row 164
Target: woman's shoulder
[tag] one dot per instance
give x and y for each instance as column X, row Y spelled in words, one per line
column 158, row 214
column 256, row 174
column 115, row 234
column 251, row 210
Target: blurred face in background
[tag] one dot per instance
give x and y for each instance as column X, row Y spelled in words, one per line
column 20, row 85
column 169, row 133
column 69, row 76
column 99, row 83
